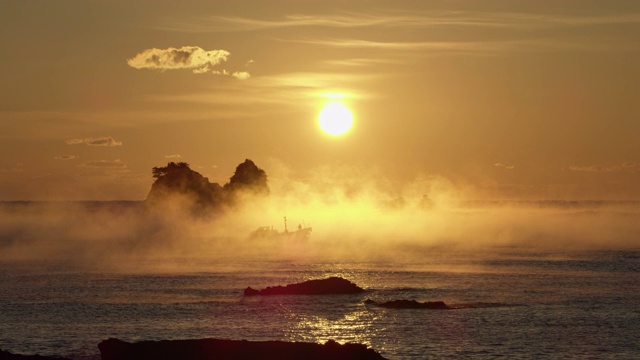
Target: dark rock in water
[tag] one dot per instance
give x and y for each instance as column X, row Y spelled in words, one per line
column 411, row 304
column 202, row 349
column 5, row 355
column 249, row 291
column 332, row 285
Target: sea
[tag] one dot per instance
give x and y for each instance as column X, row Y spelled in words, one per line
column 509, row 301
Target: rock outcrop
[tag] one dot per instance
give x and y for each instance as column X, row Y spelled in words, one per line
column 328, row 286
column 411, row 304
column 204, row 349
column 177, row 181
column 5, row 355
column 248, row 178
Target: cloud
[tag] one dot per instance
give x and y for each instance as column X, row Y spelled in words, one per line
column 187, row 57
column 467, row 46
column 299, row 87
column 380, row 24
column 105, row 164
column 358, row 62
column 504, row 166
column 102, row 141
column 483, row 47
column 65, row 157
column 590, row 168
column 242, row 75
column 399, row 19
column 628, row 166
column 347, row 20
column 13, row 170
column 173, row 156
column 75, row 141
column 193, row 58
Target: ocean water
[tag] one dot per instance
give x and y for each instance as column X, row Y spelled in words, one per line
column 584, row 307
column 512, row 302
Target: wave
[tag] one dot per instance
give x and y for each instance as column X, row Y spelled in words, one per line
column 482, row 305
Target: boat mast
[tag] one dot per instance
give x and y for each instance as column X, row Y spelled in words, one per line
column 285, row 225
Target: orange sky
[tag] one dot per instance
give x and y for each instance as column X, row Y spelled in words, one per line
column 511, row 99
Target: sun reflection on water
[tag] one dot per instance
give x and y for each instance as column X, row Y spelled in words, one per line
column 354, row 327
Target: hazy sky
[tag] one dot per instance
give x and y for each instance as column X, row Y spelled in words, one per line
column 513, row 99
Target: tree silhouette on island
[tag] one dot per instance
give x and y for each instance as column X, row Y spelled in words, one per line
column 177, row 181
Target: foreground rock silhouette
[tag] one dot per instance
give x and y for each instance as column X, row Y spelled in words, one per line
column 202, row 349
column 411, row 304
column 329, row 286
column 5, row 355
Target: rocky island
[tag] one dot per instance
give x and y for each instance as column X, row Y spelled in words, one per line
column 328, row 286
column 410, row 304
column 177, row 182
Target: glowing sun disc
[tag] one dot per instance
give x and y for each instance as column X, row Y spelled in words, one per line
column 335, row 119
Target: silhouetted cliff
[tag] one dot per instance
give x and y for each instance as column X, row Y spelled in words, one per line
column 178, row 181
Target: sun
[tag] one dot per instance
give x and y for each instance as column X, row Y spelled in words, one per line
column 335, row 119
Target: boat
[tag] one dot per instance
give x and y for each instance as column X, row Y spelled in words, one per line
column 268, row 232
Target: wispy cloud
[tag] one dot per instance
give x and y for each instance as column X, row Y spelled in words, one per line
column 466, row 46
column 360, row 62
column 65, row 157
column 173, row 156
column 517, row 31
column 315, row 81
column 395, row 19
column 12, row 170
column 296, row 87
column 504, row 166
column 628, row 166
column 479, row 47
column 102, row 141
column 108, row 164
column 347, row 20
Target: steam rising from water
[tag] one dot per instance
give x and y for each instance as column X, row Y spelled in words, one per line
column 352, row 220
